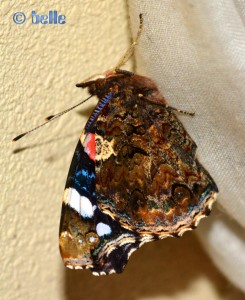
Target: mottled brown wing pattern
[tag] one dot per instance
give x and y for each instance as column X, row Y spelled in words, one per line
column 134, row 177
column 147, row 176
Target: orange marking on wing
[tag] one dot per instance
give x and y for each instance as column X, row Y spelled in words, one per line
column 89, row 146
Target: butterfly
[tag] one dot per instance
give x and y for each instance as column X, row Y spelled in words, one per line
column 134, row 176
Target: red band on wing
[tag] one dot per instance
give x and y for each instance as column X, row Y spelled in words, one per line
column 89, row 146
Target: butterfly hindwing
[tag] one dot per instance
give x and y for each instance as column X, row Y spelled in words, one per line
column 147, row 176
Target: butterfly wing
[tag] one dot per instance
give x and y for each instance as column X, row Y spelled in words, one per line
column 134, row 178
column 89, row 238
column 147, row 175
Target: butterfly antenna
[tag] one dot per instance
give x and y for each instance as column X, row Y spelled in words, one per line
column 49, row 119
column 130, row 50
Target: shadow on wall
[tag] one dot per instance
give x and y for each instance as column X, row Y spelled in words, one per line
column 85, row 113
column 159, row 269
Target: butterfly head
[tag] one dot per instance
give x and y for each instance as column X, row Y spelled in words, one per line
column 99, row 77
column 122, row 83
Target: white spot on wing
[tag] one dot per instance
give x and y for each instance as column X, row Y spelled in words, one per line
column 102, row 273
column 92, row 239
column 70, row 267
column 80, row 204
column 74, row 199
column 86, row 208
column 103, row 229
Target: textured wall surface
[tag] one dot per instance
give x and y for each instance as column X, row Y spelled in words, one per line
column 40, row 65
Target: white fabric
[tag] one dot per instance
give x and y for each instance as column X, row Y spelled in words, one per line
column 195, row 52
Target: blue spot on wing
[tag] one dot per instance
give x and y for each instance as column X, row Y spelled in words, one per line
column 81, row 175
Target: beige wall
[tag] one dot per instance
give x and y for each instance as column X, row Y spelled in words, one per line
column 41, row 64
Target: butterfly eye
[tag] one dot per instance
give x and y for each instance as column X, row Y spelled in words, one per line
column 181, row 193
